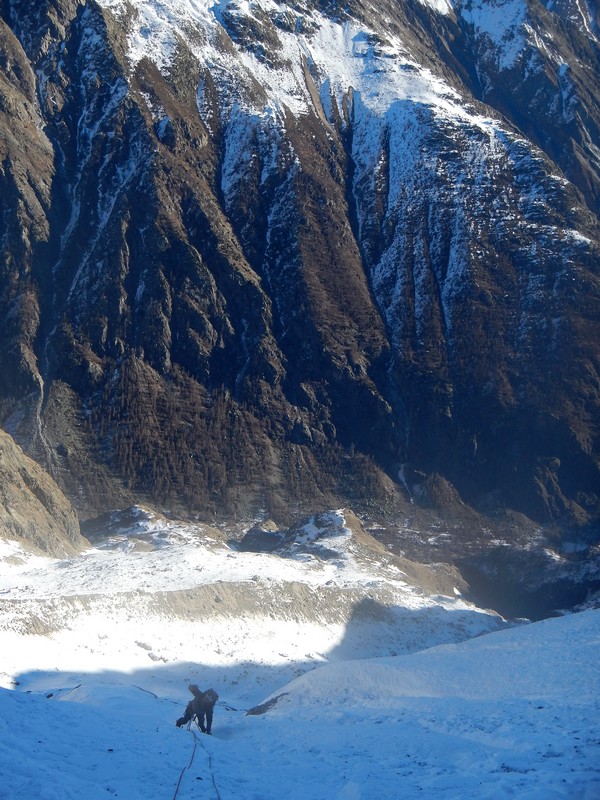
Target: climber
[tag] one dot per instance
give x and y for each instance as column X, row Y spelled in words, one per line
column 200, row 707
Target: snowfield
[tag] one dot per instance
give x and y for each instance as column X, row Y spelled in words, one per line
column 382, row 71
column 96, row 653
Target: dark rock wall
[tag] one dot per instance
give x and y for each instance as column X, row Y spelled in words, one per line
column 224, row 312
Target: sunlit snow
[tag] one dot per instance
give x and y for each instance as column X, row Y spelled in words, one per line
column 503, row 22
column 348, row 53
column 96, row 653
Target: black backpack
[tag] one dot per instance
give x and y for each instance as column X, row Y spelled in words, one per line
column 211, row 696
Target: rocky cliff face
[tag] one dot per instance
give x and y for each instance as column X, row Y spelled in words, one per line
column 33, row 510
column 259, row 255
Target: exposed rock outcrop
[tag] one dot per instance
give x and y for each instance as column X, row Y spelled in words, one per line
column 33, row 510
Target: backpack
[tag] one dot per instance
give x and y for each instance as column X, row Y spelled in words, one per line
column 211, row 696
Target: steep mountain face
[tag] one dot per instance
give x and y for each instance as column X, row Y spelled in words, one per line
column 33, row 510
column 260, row 255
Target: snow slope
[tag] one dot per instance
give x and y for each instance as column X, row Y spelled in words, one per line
column 511, row 714
column 96, row 653
column 344, row 53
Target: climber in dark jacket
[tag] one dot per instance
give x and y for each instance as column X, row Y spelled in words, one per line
column 200, row 707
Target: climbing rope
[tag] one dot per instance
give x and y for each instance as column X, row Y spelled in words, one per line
column 210, row 766
column 188, row 766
